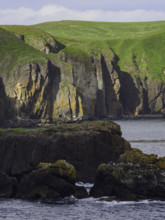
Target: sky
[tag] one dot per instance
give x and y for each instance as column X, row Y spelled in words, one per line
column 28, row 12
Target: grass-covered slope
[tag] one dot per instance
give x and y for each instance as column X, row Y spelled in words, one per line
column 83, row 64
column 33, row 37
column 139, row 46
column 85, row 30
column 14, row 51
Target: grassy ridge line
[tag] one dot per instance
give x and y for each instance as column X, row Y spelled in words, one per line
column 27, row 31
column 85, row 30
column 139, row 46
column 14, row 51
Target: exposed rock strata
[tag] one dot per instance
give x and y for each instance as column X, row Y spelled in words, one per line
column 74, row 90
column 85, row 145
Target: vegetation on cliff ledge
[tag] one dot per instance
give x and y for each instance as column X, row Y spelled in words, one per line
column 15, row 52
column 139, row 46
column 70, row 127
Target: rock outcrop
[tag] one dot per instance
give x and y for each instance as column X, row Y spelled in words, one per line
column 136, row 156
column 47, row 181
column 129, row 182
column 135, row 176
column 85, row 145
column 72, row 90
column 68, row 86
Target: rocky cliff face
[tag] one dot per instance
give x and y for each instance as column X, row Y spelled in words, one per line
column 6, row 107
column 70, row 89
column 85, row 145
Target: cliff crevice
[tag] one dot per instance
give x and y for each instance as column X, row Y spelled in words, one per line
column 68, row 90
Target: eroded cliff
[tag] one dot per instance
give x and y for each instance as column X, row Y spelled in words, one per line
column 66, row 87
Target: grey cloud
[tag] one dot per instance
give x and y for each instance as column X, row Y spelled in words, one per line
column 56, row 13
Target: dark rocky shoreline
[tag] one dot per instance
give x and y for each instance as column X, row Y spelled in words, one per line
column 27, row 159
column 85, row 145
column 34, row 123
column 129, row 182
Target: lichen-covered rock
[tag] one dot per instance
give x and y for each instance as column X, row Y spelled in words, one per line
column 48, row 181
column 161, row 163
column 60, row 168
column 129, row 182
column 73, row 90
column 136, row 156
column 68, row 87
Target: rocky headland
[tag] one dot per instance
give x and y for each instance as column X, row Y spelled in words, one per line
column 46, row 78
column 42, row 78
column 45, row 163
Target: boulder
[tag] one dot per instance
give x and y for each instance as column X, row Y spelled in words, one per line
column 129, row 182
column 49, row 181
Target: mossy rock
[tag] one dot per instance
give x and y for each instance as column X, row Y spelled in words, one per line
column 129, row 182
column 136, row 156
column 48, row 181
column 60, row 168
column 161, row 163
column 112, row 172
column 102, row 167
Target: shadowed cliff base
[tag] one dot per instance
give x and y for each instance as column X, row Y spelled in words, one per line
column 6, row 104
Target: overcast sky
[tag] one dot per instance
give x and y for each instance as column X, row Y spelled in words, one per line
column 36, row 11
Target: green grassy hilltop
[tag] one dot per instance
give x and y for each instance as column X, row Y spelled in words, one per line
column 139, row 46
column 90, row 31
column 82, row 69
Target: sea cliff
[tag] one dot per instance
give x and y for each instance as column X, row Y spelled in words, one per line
column 54, row 79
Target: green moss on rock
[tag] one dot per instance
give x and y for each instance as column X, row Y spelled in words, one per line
column 136, row 156
column 161, row 163
column 48, row 181
column 60, row 168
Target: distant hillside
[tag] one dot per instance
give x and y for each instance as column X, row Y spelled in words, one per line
column 70, row 70
column 139, row 46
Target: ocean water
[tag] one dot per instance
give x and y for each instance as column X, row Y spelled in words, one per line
column 147, row 135
column 85, row 209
